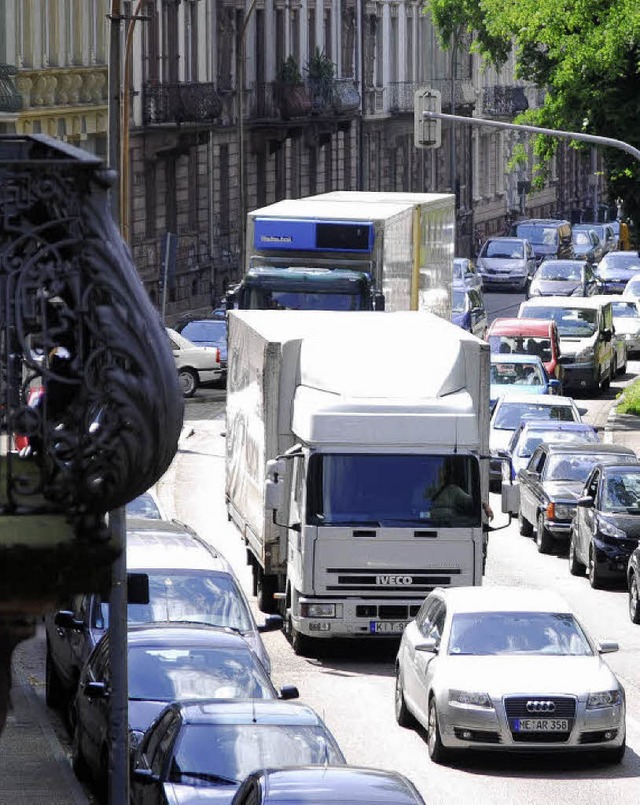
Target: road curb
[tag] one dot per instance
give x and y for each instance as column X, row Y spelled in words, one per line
column 610, row 426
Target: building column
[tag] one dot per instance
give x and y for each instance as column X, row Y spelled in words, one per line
column 320, row 25
column 403, row 9
column 303, row 25
column 270, row 66
column 386, row 62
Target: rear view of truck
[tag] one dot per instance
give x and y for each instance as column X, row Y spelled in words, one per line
column 341, row 437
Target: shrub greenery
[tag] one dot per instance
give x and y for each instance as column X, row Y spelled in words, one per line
column 629, row 399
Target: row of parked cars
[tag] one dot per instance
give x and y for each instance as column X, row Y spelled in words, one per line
column 205, row 720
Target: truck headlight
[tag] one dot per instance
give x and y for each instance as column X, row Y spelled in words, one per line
column 310, row 610
column 471, row 699
column 603, row 698
column 585, row 354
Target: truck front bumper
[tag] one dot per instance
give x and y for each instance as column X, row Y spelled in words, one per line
column 355, row 617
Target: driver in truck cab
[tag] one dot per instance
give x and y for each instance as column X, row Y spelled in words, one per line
column 450, row 501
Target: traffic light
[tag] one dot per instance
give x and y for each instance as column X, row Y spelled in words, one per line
column 426, row 131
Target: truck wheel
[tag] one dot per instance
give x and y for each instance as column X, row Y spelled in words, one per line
column 524, row 526
column 188, row 382
column 267, row 585
column 300, row 643
column 544, row 540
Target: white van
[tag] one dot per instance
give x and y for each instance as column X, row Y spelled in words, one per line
column 585, row 327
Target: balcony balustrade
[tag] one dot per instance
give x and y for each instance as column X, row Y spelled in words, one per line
column 401, row 95
column 276, row 100
column 464, row 93
column 54, row 87
column 188, row 102
column 507, row 101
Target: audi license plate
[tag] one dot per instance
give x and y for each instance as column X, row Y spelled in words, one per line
column 541, row 725
column 386, row 627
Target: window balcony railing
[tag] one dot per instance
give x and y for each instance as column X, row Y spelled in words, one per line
column 10, row 98
column 277, row 100
column 401, row 95
column 464, row 93
column 374, row 101
column 180, row 103
column 504, row 101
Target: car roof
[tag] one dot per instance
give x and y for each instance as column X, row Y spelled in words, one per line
column 554, row 424
column 586, row 449
column 565, row 301
column 517, row 327
column 155, row 544
column 510, row 238
column 545, row 221
column 248, row 711
column 339, row 784
column 502, row 598
column 609, row 468
column 538, row 399
column 175, row 634
column 514, row 357
column 616, row 297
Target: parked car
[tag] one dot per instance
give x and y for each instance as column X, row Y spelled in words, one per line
column 550, row 238
column 465, row 274
column 519, row 374
column 317, row 785
column 585, row 327
column 626, row 320
column 531, row 433
column 632, row 289
column 606, row 527
column 468, row 310
column 587, row 245
column 206, row 749
column 510, row 411
column 633, row 585
column 195, row 364
column 550, row 484
column 616, row 269
column 207, row 332
column 146, row 507
column 507, row 669
column 165, row 662
column 564, row 278
column 528, row 337
column 605, row 231
column 506, row 262
column 187, row 580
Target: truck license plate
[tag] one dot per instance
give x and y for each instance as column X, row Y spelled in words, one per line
column 541, row 725
column 387, row 627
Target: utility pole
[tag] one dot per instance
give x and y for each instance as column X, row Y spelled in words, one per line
column 119, row 701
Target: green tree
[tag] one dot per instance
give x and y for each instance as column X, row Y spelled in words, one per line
column 586, row 53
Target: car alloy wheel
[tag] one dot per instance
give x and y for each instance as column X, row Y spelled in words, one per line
column 634, row 603
column 188, row 382
column 437, row 751
column 576, row 568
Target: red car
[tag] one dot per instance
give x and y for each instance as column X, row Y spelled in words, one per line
column 528, row 337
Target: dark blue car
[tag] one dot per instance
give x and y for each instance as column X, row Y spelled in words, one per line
column 468, row 310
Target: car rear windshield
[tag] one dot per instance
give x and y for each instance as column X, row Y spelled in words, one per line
column 552, row 633
column 547, row 235
column 530, row 443
column 572, row 321
column 516, row 374
column 509, row 414
column 521, row 345
column 459, row 301
column 576, row 468
column 199, row 331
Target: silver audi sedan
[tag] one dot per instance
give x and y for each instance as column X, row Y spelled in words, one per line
column 510, row 669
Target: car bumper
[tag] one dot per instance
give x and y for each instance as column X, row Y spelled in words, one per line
column 612, row 286
column 613, row 559
column 504, row 280
column 465, row 727
column 580, row 375
column 559, row 529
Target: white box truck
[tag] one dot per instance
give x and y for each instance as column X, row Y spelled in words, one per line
column 343, row 440
column 350, row 251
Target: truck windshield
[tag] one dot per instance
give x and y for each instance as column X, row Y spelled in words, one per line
column 387, row 489
column 262, row 299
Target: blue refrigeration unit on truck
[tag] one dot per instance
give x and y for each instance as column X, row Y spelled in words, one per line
column 341, row 440
column 350, row 250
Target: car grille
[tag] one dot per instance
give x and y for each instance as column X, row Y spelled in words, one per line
column 408, row 581
column 516, row 706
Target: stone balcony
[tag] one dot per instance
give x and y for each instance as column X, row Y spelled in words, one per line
column 186, row 102
column 55, row 87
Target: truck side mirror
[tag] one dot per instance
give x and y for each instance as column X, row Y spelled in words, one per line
column 275, row 468
column 273, row 495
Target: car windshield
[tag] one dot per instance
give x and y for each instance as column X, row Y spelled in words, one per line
column 508, row 415
column 521, row 345
column 200, row 331
column 516, row 374
column 199, row 597
column 529, row 444
column 549, row 633
column 504, row 249
column 572, row 321
column 387, row 489
column 632, row 289
column 144, row 506
column 625, row 310
column 621, row 492
column 538, row 234
column 572, row 467
column 559, row 272
column 208, row 754
column 195, row 672
column 459, row 301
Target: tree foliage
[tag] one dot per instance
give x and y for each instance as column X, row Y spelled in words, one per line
column 586, row 53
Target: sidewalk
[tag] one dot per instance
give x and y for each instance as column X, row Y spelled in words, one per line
column 34, row 767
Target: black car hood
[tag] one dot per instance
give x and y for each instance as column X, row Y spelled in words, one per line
column 629, row 523
column 556, row 288
column 563, row 490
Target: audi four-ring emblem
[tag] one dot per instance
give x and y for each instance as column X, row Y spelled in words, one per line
column 540, row 707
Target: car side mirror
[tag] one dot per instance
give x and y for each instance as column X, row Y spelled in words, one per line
column 534, row 474
column 96, row 690
column 143, row 775
column 65, row 619
column 607, row 335
column 430, row 645
column 272, row 623
column 289, row 692
column 585, row 502
column 607, row 647
column 554, row 385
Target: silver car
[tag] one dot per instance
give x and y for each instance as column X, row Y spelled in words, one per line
column 507, row 668
column 506, row 262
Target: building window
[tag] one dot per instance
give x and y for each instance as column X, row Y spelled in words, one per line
column 191, row 42
column 226, row 37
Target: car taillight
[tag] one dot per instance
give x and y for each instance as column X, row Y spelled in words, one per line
column 218, row 354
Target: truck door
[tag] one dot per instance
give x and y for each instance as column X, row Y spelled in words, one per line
column 295, row 520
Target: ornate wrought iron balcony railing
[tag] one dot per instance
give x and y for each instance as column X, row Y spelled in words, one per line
column 504, row 101
column 10, row 98
column 464, row 93
column 401, row 96
column 277, row 100
column 180, row 103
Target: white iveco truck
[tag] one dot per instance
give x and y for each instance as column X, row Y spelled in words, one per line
column 344, row 434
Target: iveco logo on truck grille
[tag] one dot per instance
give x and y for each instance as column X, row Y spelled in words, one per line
column 390, row 581
column 541, row 707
